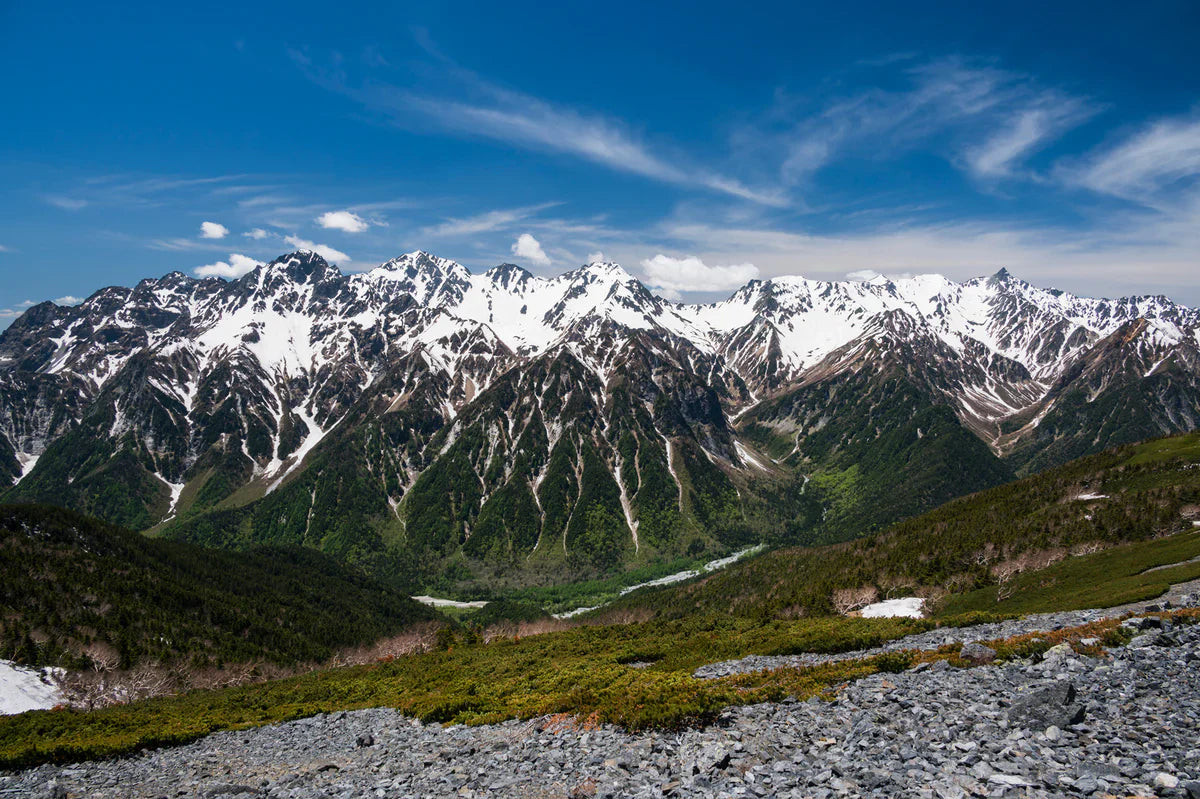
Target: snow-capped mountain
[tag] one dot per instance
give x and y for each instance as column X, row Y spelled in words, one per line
column 418, row 411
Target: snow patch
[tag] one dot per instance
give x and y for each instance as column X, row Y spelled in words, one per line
column 912, row 607
column 437, row 602
column 23, row 689
column 748, row 457
column 27, row 463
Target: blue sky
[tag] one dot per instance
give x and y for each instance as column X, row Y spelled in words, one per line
column 698, row 144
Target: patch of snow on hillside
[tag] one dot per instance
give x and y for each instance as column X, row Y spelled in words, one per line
column 912, row 607
column 24, row 689
column 27, row 463
column 437, row 602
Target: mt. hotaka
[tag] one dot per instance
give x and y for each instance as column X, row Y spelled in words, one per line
column 436, row 426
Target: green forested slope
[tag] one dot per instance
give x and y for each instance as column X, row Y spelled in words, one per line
column 71, row 585
column 1130, row 494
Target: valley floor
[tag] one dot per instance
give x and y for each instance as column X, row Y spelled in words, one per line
column 932, row 731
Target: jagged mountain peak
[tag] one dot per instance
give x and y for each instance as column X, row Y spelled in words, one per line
column 508, row 276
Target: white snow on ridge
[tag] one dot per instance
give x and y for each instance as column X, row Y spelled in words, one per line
column 912, row 607
column 23, row 689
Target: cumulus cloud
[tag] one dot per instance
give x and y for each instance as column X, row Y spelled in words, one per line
column 526, row 246
column 343, row 220
column 323, row 250
column 596, row 257
column 13, row 313
column 258, row 234
column 213, row 230
column 670, row 276
column 869, row 275
column 235, row 267
column 69, row 299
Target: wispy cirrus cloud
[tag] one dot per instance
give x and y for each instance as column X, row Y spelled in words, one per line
column 65, row 203
column 486, row 222
column 1028, row 131
column 1160, row 157
column 983, row 118
column 482, row 109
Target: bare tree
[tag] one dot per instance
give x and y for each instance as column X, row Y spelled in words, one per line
column 847, row 600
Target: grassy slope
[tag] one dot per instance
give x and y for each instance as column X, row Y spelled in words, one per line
column 68, row 583
column 1114, row 577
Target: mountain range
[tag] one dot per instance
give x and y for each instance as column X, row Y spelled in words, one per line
column 442, row 428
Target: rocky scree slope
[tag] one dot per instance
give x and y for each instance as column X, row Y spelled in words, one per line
column 421, row 420
column 1065, row 724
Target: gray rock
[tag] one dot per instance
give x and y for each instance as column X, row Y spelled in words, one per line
column 977, row 653
column 1054, row 705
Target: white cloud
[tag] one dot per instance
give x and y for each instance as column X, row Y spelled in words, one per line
column 213, row 230
column 982, row 118
column 525, row 121
column 323, row 250
column 526, row 246
column 235, row 267
column 3, row 248
column 596, row 257
column 691, row 274
column 68, row 300
column 66, row 203
column 344, row 221
column 869, row 275
column 1124, row 254
column 258, row 234
column 862, row 275
column 13, row 313
column 1027, row 132
column 483, row 223
column 1146, row 163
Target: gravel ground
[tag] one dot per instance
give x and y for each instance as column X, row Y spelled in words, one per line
column 1127, row 724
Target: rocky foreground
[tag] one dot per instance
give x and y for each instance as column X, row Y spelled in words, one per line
column 1124, row 724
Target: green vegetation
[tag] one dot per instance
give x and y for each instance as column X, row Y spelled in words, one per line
column 636, row 676
column 1143, row 492
column 877, row 450
column 73, row 589
column 1113, row 577
column 584, row 671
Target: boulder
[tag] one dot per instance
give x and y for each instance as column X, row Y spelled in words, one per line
column 1054, row 706
column 977, row 653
